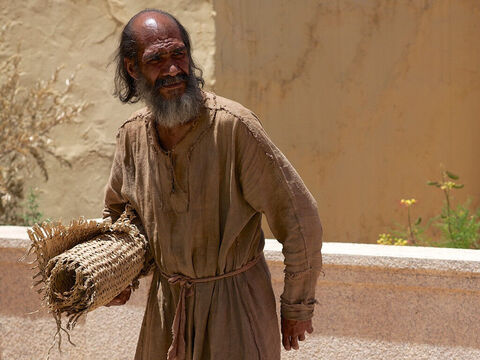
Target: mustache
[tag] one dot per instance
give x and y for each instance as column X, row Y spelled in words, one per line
column 168, row 80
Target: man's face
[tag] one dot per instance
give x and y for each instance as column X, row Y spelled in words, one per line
column 162, row 56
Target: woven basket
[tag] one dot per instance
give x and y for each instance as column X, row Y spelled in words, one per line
column 86, row 264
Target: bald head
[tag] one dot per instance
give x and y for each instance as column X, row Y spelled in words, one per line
column 154, row 28
column 147, row 37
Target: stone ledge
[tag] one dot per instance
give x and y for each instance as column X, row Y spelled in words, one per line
column 386, row 297
column 388, row 256
column 14, row 237
column 333, row 253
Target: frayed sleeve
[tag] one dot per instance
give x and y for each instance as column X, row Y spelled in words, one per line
column 271, row 185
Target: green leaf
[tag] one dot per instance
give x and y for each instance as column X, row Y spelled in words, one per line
column 458, row 186
column 419, row 220
column 451, row 176
column 434, row 183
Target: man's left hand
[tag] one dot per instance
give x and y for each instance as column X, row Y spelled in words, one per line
column 121, row 298
column 293, row 331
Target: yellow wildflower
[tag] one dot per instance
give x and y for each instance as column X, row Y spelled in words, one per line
column 408, row 202
column 388, row 239
column 400, row 242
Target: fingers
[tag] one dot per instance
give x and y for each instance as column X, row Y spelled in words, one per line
column 291, row 342
column 286, row 342
column 293, row 331
column 294, row 342
column 121, row 298
column 126, row 293
column 115, row 302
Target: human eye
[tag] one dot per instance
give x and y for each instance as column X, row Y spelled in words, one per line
column 155, row 59
column 179, row 53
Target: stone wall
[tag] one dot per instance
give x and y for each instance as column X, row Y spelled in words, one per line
column 375, row 302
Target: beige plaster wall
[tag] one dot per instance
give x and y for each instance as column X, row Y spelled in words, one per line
column 84, row 34
column 366, row 98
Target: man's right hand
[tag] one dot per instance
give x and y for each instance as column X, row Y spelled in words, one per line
column 121, row 298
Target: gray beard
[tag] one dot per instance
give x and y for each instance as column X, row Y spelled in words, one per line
column 173, row 112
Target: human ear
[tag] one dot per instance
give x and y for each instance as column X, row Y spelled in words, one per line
column 131, row 68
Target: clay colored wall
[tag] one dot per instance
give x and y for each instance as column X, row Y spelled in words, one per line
column 85, row 34
column 366, row 98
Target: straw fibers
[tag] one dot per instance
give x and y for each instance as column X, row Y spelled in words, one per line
column 86, row 264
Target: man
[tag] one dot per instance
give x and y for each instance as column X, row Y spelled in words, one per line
column 199, row 170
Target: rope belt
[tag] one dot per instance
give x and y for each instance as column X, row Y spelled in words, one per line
column 177, row 348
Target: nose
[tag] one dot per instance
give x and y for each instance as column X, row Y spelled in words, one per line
column 173, row 70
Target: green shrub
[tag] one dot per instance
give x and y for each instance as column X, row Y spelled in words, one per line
column 459, row 227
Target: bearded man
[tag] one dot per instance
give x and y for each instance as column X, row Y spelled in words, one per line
column 199, row 171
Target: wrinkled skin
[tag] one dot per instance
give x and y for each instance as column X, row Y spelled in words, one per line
column 161, row 53
column 293, row 331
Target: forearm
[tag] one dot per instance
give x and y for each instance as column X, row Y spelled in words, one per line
column 303, row 263
column 271, row 185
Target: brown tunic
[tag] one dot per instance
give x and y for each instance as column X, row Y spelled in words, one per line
column 201, row 206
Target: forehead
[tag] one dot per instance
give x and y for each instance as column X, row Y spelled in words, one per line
column 157, row 32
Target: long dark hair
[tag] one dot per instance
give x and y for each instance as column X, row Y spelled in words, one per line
column 125, row 86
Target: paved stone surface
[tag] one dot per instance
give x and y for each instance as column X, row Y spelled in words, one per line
column 344, row 348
